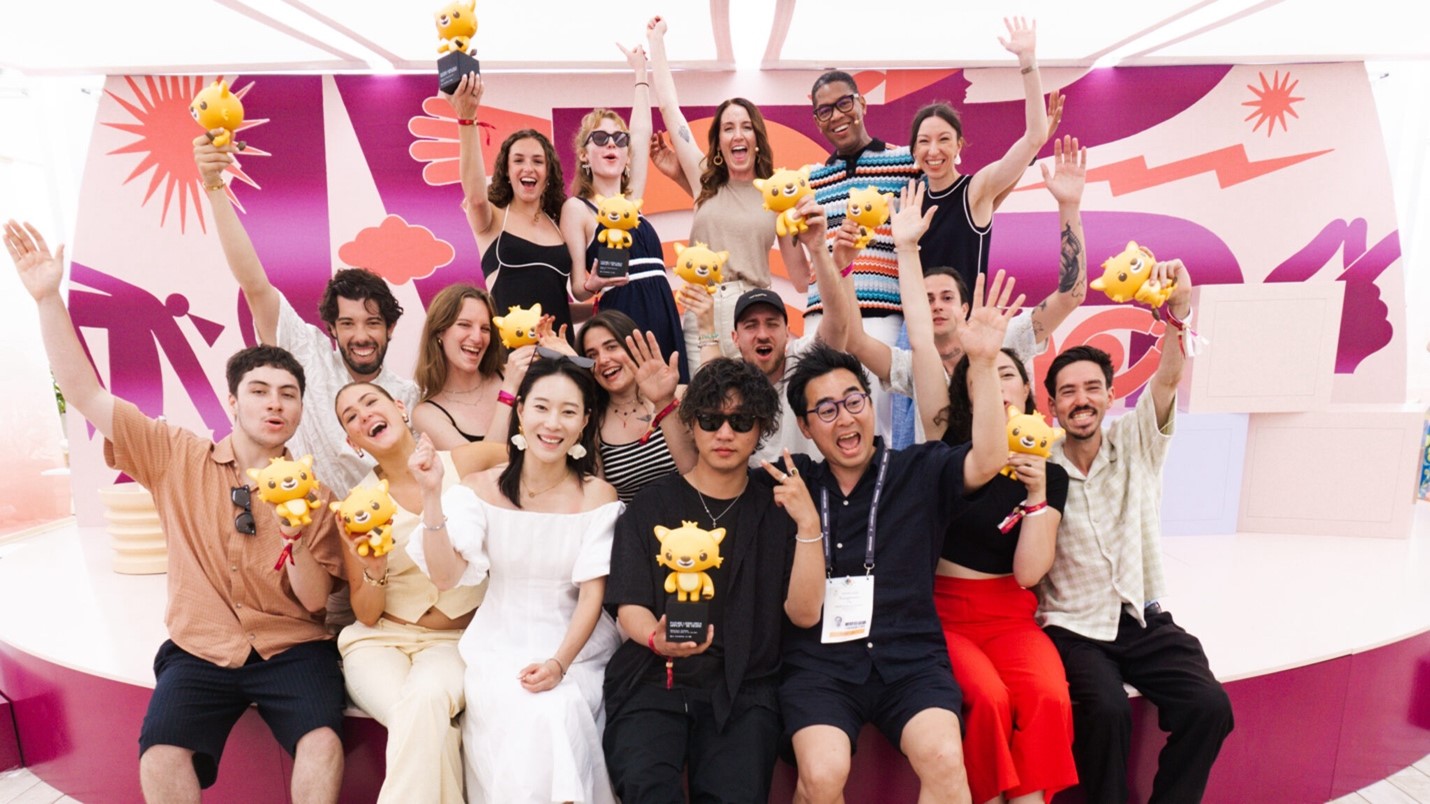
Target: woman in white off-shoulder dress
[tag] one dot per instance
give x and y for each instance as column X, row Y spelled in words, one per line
column 536, row 650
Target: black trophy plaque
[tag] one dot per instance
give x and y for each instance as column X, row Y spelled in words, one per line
column 452, row 66
column 686, row 622
column 612, row 262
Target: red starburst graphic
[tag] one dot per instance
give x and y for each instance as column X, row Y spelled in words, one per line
column 1273, row 102
column 165, row 132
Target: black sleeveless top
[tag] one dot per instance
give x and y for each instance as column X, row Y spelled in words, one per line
column 530, row 274
column 952, row 239
column 471, row 439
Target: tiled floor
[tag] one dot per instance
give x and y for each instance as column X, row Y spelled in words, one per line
column 1410, row 786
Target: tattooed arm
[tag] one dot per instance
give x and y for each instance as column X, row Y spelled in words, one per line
column 1065, row 182
column 680, row 137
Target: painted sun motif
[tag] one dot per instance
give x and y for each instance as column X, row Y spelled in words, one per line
column 1273, row 101
column 165, row 130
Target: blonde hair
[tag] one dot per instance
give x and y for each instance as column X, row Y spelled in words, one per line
column 431, row 371
column 581, row 184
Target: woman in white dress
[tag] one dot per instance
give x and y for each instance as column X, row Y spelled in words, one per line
column 536, row 650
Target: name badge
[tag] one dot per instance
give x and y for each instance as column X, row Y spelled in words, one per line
column 848, row 608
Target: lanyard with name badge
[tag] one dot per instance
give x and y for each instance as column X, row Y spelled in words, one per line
column 849, row 600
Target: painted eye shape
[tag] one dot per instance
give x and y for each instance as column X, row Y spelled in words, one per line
column 272, row 485
column 375, row 506
column 868, row 207
column 1017, row 431
column 203, row 105
column 302, row 475
column 669, row 556
column 704, row 556
column 1122, row 276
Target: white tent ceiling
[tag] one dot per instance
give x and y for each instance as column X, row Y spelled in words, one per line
column 206, row 36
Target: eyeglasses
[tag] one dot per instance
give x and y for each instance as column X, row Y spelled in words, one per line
column 712, row 422
column 552, row 354
column 243, row 523
column 828, row 410
column 603, row 138
column 825, row 111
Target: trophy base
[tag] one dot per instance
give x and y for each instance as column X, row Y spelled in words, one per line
column 686, row 622
column 452, row 66
column 612, row 263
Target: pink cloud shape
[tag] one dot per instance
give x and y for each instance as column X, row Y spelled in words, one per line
column 397, row 251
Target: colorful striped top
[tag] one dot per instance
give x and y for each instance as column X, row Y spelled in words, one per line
column 876, row 269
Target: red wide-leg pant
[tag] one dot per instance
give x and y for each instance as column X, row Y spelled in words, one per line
column 1017, row 717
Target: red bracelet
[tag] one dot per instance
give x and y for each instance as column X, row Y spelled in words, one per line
column 651, row 642
column 462, row 121
column 848, row 269
column 659, row 417
column 669, row 662
column 1021, row 510
column 506, row 398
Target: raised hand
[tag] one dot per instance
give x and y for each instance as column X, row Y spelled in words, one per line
column 1022, row 37
column 981, row 336
column 910, row 222
column 40, row 272
column 1055, row 112
column 1069, row 174
column 697, row 300
column 636, row 58
column 1180, row 302
column 468, row 96
column 656, row 379
column 843, row 245
column 211, row 160
column 425, row 466
column 813, row 215
column 656, row 28
column 666, row 160
column 792, row 494
column 1032, row 472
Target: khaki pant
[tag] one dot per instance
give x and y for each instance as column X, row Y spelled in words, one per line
column 409, row 678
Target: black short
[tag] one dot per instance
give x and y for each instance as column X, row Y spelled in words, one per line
column 812, row 698
column 196, row 702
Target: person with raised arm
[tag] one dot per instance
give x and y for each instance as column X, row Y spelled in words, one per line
column 729, row 210
column 540, row 527
column 357, row 308
column 514, row 217
column 614, row 160
column 1100, row 602
column 241, row 630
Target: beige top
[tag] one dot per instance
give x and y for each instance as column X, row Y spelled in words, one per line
column 735, row 220
column 410, row 593
column 1109, row 555
column 225, row 599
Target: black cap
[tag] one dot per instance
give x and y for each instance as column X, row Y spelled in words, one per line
column 750, row 298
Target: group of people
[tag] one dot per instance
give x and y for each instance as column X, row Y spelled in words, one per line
column 514, row 641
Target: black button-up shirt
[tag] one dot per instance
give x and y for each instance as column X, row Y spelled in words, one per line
column 915, row 507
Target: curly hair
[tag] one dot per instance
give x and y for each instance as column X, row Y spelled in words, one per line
column 500, row 191
column 246, row 360
column 359, row 284
column 717, row 176
column 442, row 312
column 720, row 379
column 1076, row 354
column 942, row 111
column 509, row 482
column 818, row 360
column 581, row 183
column 959, row 412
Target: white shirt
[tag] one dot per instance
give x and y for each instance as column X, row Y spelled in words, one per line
column 788, row 436
column 1019, row 337
column 320, row 434
column 1109, row 555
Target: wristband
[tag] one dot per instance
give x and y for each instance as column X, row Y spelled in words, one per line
column 848, row 269
column 371, row 581
column 669, row 662
column 462, row 121
column 1021, row 510
column 643, row 84
column 440, row 526
column 285, row 556
column 659, row 417
column 809, row 541
column 709, row 337
column 216, row 184
column 506, row 398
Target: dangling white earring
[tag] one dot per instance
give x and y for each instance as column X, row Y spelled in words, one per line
column 519, row 441
column 359, row 452
column 577, row 452
column 958, row 159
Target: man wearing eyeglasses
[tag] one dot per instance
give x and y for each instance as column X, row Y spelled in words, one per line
column 858, row 161
column 241, row 629
column 710, row 708
column 880, row 656
column 358, row 311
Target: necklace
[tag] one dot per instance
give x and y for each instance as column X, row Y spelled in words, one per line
column 531, row 494
column 715, row 519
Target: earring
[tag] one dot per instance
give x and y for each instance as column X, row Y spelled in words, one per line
column 519, row 441
column 718, row 159
column 586, row 168
column 957, row 159
column 577, row 451
column 360, row 452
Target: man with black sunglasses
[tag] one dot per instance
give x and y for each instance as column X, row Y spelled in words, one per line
column 708, row 711
column 859, row 160
column 881, row 657
column 241, row 630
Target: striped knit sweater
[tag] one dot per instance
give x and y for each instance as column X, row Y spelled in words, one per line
column 876, row 270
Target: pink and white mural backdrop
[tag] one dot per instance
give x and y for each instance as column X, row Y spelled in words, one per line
column 1250, row 174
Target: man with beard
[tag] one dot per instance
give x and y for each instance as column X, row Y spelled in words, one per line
column 358, row 309
column 1099, row 602
column 239, row 631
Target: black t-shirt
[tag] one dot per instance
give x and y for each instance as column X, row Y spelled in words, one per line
column 750, row 586
column 973, row 539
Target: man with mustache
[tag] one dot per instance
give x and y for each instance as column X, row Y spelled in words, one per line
column 1099, row 602
column 358, row 309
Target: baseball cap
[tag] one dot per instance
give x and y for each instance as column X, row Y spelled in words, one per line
column 750, row 298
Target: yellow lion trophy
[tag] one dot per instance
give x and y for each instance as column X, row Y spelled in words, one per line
column 782, row 192
column 289, row 486
column 1029, row 434
column 698, row 265
column 1128, row 277
column 365, row 515
column 870, row 209
column 688, row 551
column 518, row 326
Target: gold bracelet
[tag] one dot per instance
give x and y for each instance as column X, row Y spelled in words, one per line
column 217, row 184
column 371, row 581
